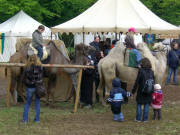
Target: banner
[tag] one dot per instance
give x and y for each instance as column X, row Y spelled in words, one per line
column 2, row 38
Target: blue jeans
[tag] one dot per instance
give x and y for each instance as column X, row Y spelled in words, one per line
column 40, row 51
column 175, row 71
column 29, row 95
column 145, row 113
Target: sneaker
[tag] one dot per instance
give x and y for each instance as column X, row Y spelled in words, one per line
column 37, row 122
column 121, row 120
column 175, row 83
column 89, row 106
column 121, row 117
column 24, row 122
column 137, row 120
column 116, row 117
column 145, row 121
column 81, row 104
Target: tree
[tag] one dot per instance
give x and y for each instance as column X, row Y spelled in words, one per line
column 54, row 12
column 32, row 7
column 166, row 9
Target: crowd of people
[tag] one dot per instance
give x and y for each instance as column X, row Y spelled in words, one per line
column 148, row 93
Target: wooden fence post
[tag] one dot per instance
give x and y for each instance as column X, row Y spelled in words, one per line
column 78, row 91
column 8, row 87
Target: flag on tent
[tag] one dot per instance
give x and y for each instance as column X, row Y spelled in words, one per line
column 2, row 38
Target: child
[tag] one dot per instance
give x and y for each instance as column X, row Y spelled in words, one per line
column 157, row 97
column 116, row 97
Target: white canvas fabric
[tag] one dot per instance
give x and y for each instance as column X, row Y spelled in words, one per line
column 117, row 16
column 21, row 24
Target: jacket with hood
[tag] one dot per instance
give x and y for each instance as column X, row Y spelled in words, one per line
column 173, row 58
column 142, row 98
column 37, row 39
column 117, row 94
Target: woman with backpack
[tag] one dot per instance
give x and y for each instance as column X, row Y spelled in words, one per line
column 145, row 83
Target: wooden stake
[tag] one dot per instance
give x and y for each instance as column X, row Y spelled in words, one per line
column 78, row 91
column 8, row 87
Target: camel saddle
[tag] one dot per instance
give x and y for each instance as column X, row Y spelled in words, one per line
column 130, row 58
column 46, row 53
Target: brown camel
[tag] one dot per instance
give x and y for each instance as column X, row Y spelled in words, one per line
column 113, row 66
column 56, row 57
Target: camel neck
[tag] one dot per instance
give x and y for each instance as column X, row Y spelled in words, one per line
column 79, row 59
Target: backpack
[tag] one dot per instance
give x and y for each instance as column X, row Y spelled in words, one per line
column 148, row 87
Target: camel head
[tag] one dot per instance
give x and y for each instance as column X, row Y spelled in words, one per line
column 82, row 49
column 159, row 47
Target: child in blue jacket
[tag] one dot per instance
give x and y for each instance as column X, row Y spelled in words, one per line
column 116, row 98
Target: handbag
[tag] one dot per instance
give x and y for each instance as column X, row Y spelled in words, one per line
column 40, row 90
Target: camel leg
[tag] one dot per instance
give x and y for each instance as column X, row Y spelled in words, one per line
column 48, row 92
column 109, row 75
column 12, row 89
column 101, row 84
column 20, row 91
column 100, row 91
column 53, row 98
column 51, row 89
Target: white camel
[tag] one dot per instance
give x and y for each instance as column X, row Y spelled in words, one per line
column 113, row 66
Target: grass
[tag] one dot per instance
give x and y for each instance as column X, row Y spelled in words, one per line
column 97, row 121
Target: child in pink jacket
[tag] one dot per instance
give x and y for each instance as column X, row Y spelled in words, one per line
column 157, row 97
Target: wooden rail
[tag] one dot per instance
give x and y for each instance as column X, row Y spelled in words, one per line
column 50, row 66
column 46, row 65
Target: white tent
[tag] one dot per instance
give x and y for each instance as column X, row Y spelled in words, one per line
column 88, row 38
column 117, row 16
column 20, row 25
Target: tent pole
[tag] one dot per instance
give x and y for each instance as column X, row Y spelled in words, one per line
column 83, row 37
column 51, row 35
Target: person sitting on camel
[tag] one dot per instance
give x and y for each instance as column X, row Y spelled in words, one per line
column 134, row 54
column 37, row 40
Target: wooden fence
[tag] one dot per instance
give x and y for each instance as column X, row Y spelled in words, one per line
column 50, row 66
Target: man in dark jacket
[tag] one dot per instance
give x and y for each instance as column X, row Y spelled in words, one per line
column 173, row 58
column 96, row 56
column 116, row 98
column 37, row 40
column 87, row 85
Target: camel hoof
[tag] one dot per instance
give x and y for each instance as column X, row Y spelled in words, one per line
column 107, row 94
column 104, row 104
column 98, row 91
column 16, row 104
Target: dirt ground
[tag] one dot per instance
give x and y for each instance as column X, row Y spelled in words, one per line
column 97, row 121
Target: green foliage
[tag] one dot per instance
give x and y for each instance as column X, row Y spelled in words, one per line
column 54, row 12
column 166, row 9
column 48, row 12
